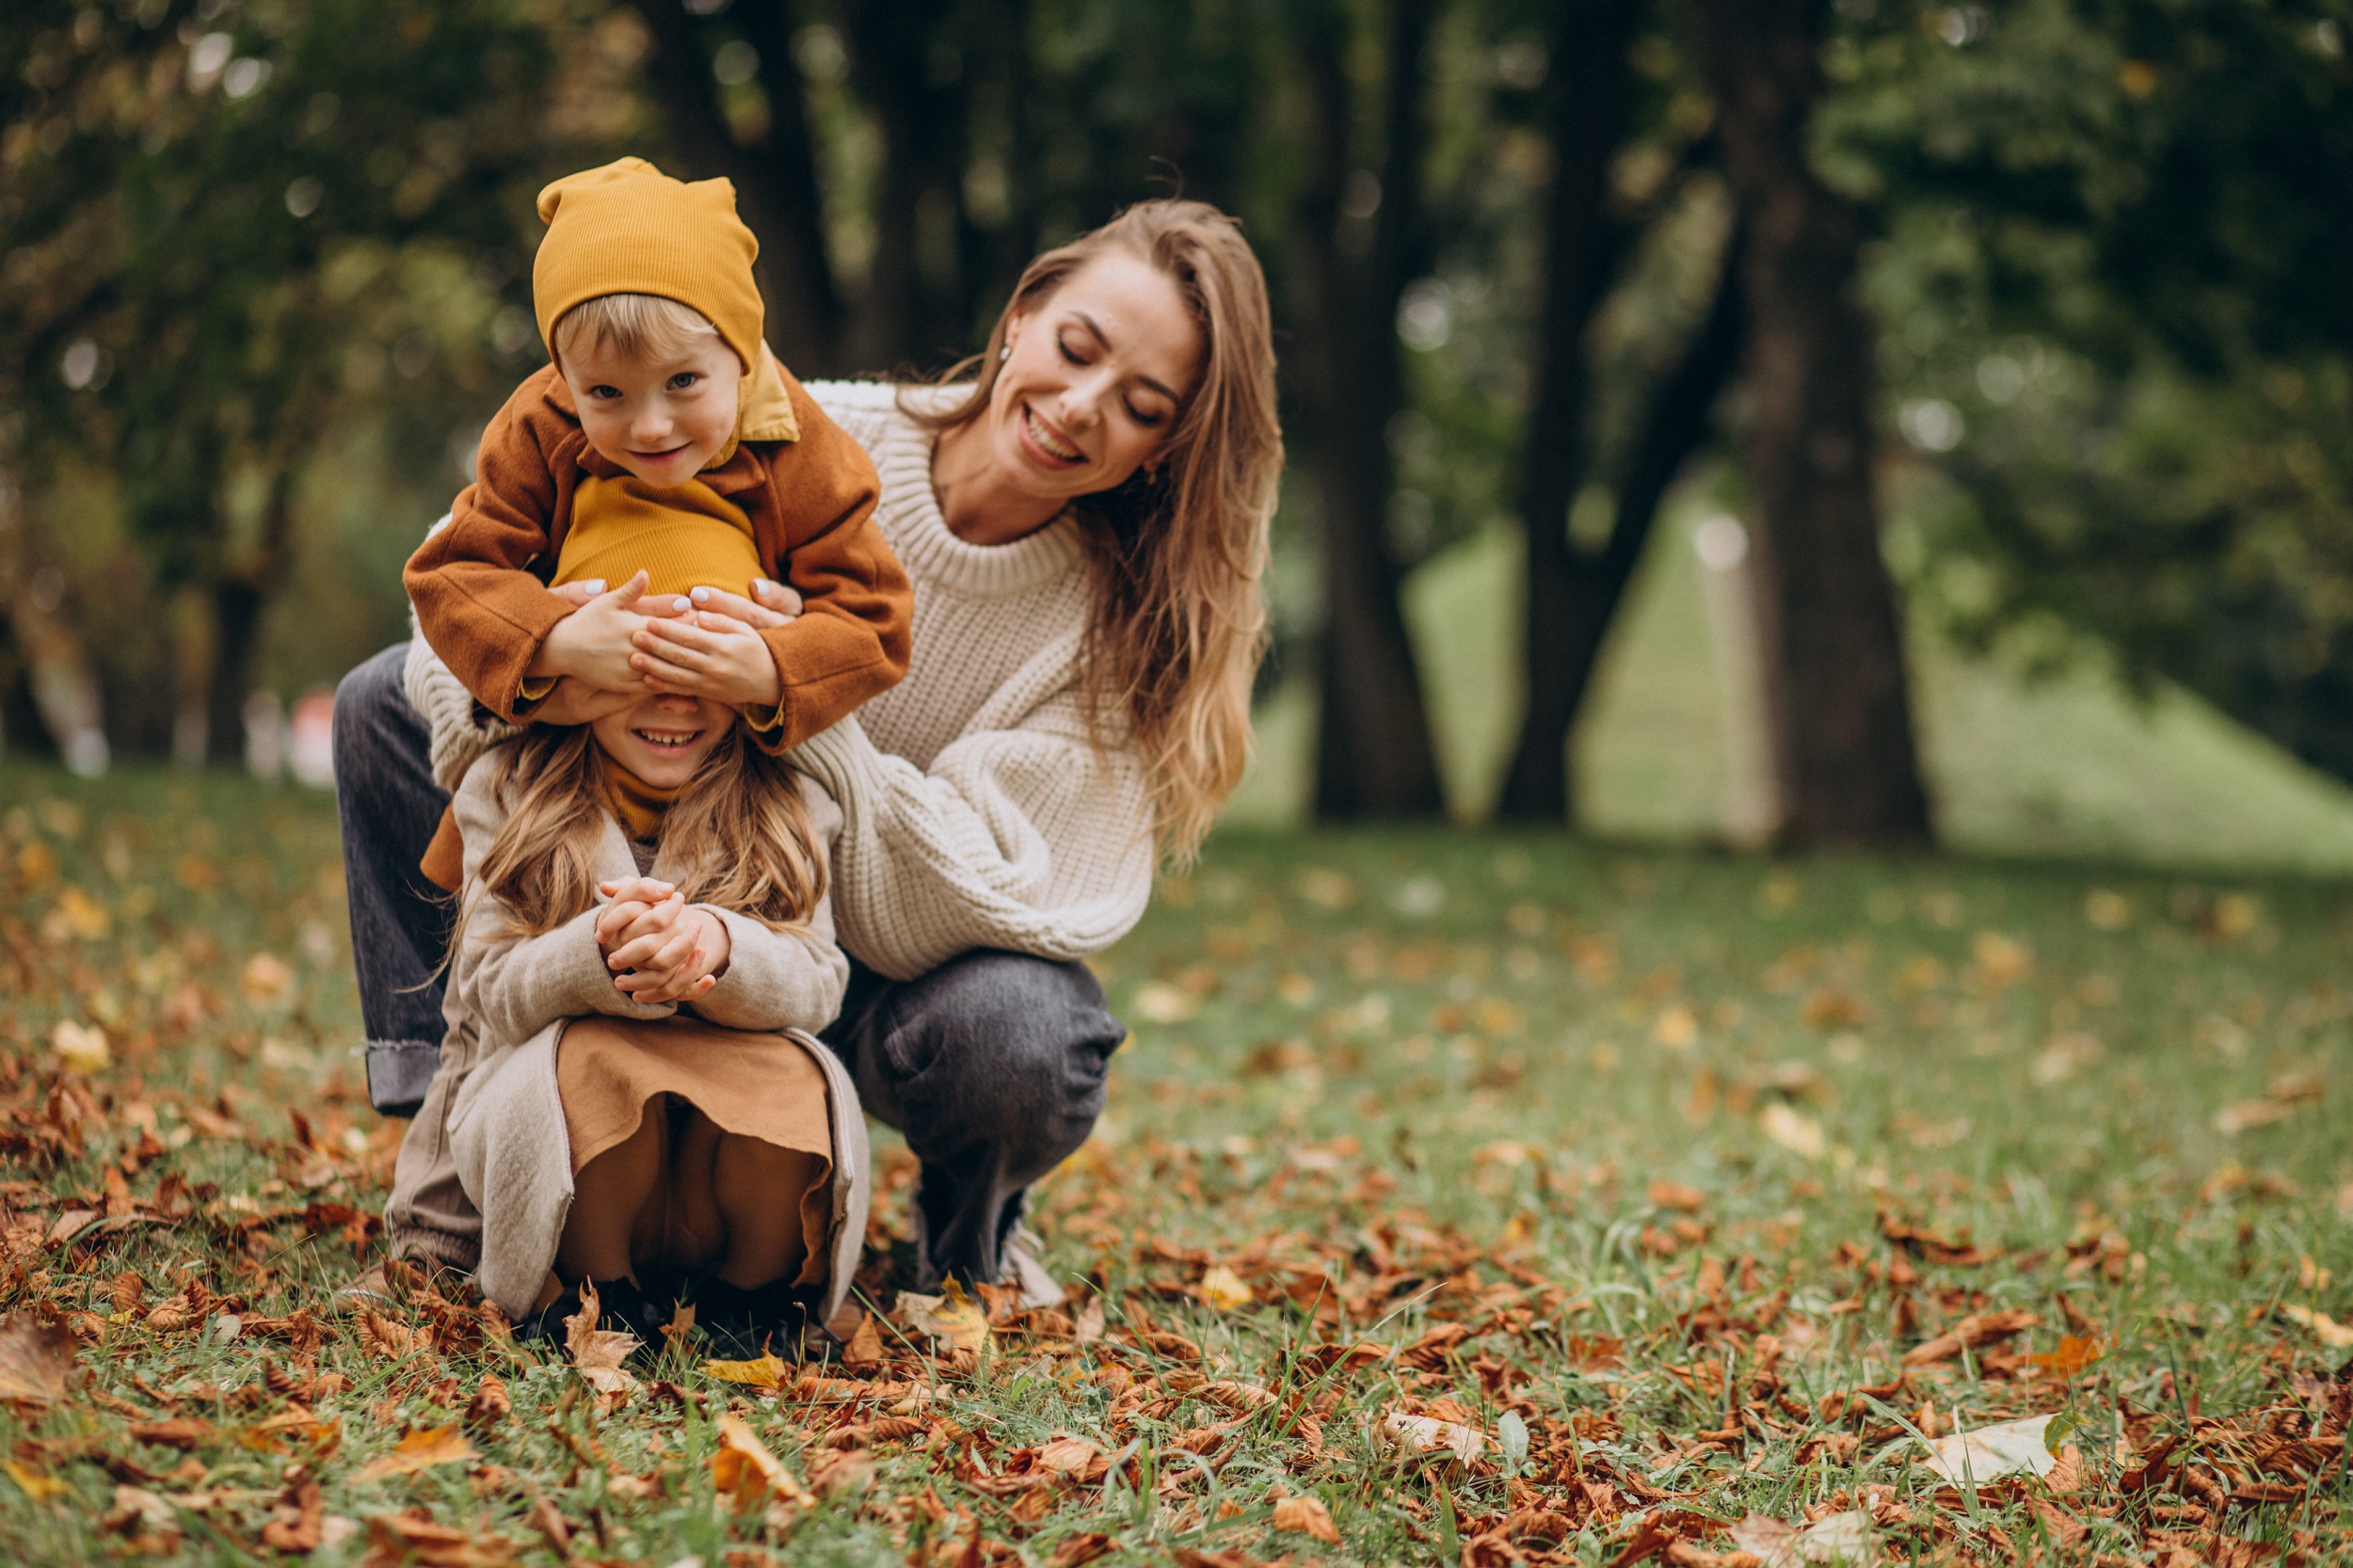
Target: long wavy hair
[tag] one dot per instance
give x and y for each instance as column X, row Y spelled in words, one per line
column 1176, row 619
column 739, row 832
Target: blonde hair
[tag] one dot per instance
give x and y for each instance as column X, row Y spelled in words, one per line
column 1175, row 619
column 645, row 326
column 739, row 832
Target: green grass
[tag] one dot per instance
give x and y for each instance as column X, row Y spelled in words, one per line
column 2070, row 767
column 1392, row 1082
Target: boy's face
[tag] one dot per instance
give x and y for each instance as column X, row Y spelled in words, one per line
column 662, row 422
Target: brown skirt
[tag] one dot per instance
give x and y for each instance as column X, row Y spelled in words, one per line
column 612, row 1073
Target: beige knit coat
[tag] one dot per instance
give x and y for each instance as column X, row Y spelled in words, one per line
column 977, row 811
column 507, row 1003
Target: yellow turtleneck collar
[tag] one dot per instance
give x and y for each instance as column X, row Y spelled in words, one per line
column 640, row 806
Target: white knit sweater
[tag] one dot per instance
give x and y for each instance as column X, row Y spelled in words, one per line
column 977, row 812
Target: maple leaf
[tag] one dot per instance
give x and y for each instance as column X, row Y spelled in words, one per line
column 420, row 1450
column 37, row 1361
column 1306, row 1516
column 597, row 1353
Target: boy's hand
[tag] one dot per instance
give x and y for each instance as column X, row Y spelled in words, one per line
column 576, row 702
column 592, row 645
column 704, row 653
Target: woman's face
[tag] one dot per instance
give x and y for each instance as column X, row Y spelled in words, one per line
column 665, row 738
column 1097, row 373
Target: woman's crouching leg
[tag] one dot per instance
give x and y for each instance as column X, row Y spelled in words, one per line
column 992, row 1066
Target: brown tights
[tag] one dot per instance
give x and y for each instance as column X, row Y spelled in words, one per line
column 680, row 1193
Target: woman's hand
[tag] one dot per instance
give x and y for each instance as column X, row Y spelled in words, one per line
column 706, row 653
column 576, row 702
column 592, row 645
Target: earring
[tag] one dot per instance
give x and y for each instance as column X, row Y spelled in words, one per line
column 1005, row 353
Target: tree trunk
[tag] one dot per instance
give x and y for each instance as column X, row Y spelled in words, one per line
column 908, row 62
column 1588, row 100
column 1834, row 651
column 65, row 688
column 1374, row 754
column 239, row 600
column 776, row 181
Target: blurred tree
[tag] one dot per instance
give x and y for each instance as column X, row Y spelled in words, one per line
column 1588, row 109
column 1359, row 234
column 207, row 210
column 1840, row 713
column 2122, row 234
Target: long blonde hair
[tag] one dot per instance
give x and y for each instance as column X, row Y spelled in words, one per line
column 1176, row 617
column 739, row 832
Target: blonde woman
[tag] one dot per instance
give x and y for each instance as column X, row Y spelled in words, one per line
column 1082, row 511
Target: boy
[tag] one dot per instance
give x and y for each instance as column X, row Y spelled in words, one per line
column 663, row 436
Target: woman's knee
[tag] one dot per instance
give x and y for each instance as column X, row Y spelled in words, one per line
column 992, row 1021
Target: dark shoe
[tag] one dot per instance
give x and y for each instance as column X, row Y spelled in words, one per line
column 620, row 1305
column 744, row 1326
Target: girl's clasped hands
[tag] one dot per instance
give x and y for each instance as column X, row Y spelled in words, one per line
column 660, row 949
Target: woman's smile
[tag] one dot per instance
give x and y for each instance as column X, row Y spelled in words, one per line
column 1058, row 449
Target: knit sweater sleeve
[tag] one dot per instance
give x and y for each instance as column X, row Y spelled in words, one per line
column 1024, row 834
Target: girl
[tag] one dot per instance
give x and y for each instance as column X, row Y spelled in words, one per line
column 643, row 945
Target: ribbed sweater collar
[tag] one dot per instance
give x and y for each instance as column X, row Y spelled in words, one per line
column 909, row 513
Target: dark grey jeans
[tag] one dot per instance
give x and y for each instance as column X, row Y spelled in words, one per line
column 991, row 1065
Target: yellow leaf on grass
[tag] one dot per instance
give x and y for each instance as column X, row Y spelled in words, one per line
column 80, row 1046
column 1225, row 1290
column 2326, row 1329
column 1307, row 1516
column 36, row 1486
column 955, row 1316
column 78, row 915
column 766, row 1372
column 2071, row 1356
column 266, row 977
column 422, row 1449
column 1793, row 1130
column 744, row 1471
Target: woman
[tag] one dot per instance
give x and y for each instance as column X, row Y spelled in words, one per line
column 1084, row 515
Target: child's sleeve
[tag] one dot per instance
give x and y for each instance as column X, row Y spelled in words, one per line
column 850, row 642
column 777, row 980
column 477, row 604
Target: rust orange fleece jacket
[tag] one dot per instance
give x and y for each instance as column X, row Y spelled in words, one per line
column 480, row 585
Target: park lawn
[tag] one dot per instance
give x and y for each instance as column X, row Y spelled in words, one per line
column 1640, row 1166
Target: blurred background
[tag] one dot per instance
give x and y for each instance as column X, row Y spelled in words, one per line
column 1756, row 420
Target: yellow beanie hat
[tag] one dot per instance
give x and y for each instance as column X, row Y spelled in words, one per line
column 628, row 228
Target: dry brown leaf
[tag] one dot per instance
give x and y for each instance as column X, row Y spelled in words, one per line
column 299, row 1522
column 1076, row 1458
column 1090, row 1319
column 597, row 1353
column 2326, row 1329
column 955, row 1316
column 1306, row 1516
column 865, row 1346
column 1969, row 1333
column 744, row 1471
column 420, row 1450
column 37, row 1360
column 1073, row 1550
column 1427, row 1434
column 490, row 1406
